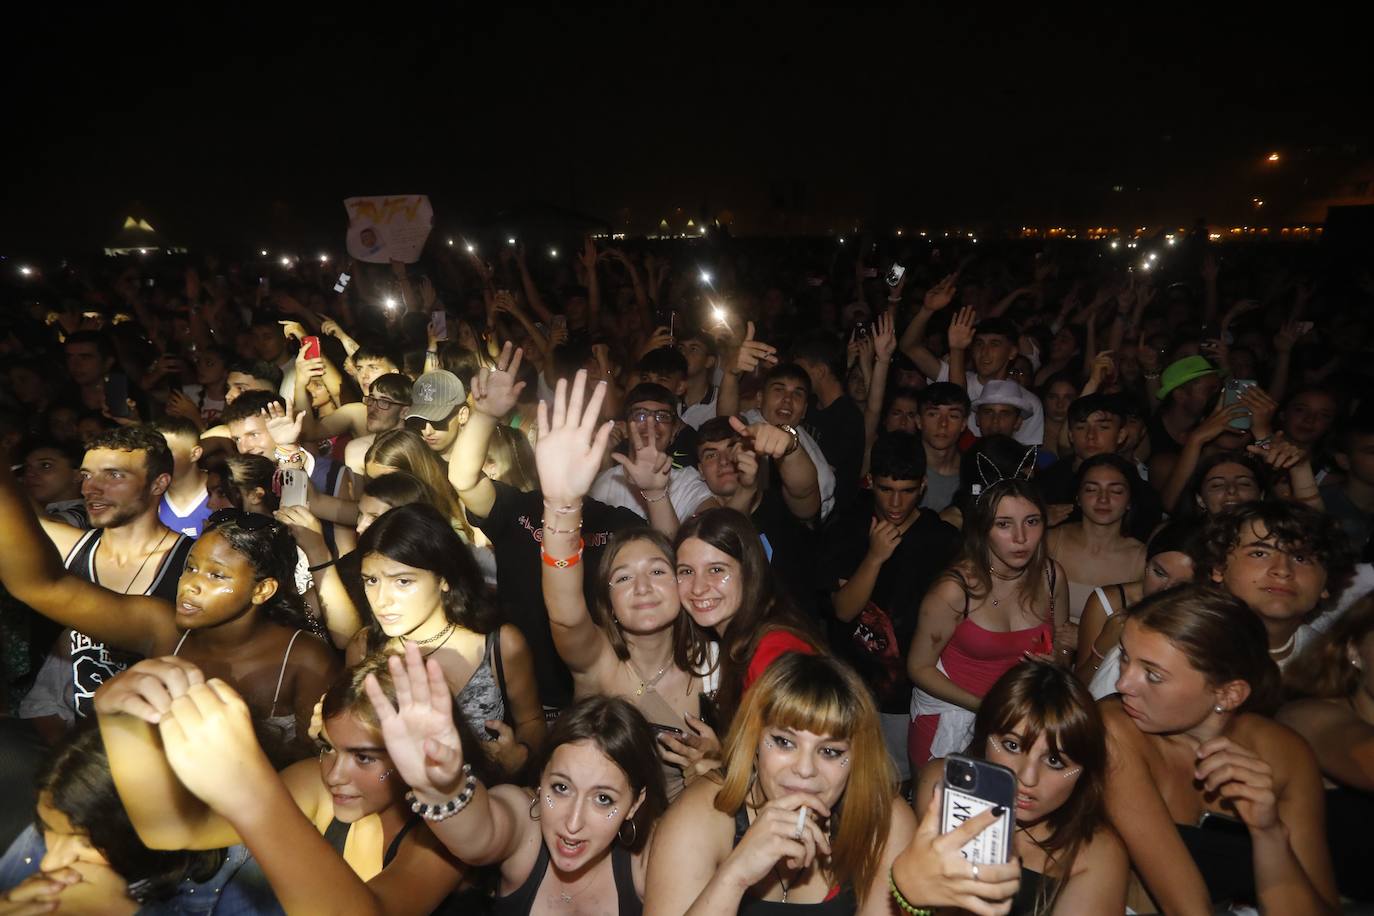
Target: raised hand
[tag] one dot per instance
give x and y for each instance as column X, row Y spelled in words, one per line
column 1218, row 423
column 210, row 745
column 662, row 337
column 589, row 255
column 146, row 689
column 571, row 443
column 885, row 335
column 1104, row 368
column 1287, row 337
column 179, row 405
column 284, row 430
column 961, row 329
column 1262, row 409
column 418, row 729
column 1146, row 355
column 764, row 438
column 746, row 465
column 1279, row 453
column 495, row 389
column 292, row 330
column 649, row 469
column 753, row 353
column 941, row 294
column 932, row 872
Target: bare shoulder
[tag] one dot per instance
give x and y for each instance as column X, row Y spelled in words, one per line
column 695, row 809
column 1309, row 715
column 1123, row 737
column 356, row 650
column 1104, row 851
column 1275, row 743
column 313, row 653
column 513, row 643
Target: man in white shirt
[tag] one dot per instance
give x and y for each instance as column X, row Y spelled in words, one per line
column 651, row 419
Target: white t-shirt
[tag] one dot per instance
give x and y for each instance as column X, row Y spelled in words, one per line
column 1032, row 431
column 825, row 474
column 686, row 491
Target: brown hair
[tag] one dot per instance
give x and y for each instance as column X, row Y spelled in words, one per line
column 1323, row 669
column 405, row 450
column 1292, row 527
column 1035, row 698
column 970, row 570
column 763, row 607
column 689, row 643
column 823, row 696
column 1220, row 636
column 619, row 731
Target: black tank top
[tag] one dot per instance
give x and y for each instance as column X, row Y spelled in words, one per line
column 92, row 662
column 521, row 901
column 1226, row 861
column 841, row 903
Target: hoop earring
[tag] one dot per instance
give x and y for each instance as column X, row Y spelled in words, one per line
column 534, row 808
column 634, row 833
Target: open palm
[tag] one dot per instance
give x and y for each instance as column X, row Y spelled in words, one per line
column 419, row 732
column 495, row 390
column 571, row 443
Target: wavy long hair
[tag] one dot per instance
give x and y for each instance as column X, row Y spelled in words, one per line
column 763, row 607
column 1037, row 698
column 405, row 450
column 824, row 696
column 970, row 570
column 689, row 643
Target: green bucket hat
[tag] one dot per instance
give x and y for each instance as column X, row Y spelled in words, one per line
column 1183, row 372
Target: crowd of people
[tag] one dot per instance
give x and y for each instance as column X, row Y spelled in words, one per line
column 666, row 579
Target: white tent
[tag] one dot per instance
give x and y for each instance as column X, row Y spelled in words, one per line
column 137, row 236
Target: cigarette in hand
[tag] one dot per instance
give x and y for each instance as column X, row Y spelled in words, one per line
column 801, row 823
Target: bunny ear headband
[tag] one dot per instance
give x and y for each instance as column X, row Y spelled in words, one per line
column 992, row 475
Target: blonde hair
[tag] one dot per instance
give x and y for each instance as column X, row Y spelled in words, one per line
column 405, row 450
column 821, row 695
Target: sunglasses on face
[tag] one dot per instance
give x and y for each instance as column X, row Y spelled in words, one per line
column 418, row 424
column 661, row 417
column 382, row 403
column 247, row 521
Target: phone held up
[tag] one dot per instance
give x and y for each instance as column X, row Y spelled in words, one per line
column 292, row 487
column 895, row 274
column 311, row 346
column 971, row 787
column 117, row 394
column 1236, row 387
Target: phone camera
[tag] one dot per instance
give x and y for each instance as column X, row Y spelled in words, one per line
column 959, row 773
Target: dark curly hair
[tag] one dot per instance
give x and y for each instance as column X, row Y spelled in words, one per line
column 1291, row 526
column 271, row 550
column 157, row 457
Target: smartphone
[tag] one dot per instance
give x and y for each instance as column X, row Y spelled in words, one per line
column 438, row 320
column 971, row 787
column 311, row 346
column 560, row 322
column 1235, row 387
column 117, row 394
column 894, row 274
column 1221, row 823
column 666, row 730
column 292, row 487
column 861, row 330
column 341, row 284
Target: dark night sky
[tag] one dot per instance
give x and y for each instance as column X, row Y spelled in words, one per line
column 252, row 128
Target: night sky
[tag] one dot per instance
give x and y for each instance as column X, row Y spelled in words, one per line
column 251, row 129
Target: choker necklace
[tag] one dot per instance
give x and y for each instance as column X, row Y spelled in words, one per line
column 649, row 683
column 1283, row 649
column 998, row 575
column 441, row 637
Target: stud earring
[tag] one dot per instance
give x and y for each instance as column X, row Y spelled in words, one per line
column 1218, row 708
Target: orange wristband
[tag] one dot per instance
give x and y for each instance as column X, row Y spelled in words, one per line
column 567, row 562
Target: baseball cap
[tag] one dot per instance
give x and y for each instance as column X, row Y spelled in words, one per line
column 1005, row 391
column 435, row 395
column 1182, row 372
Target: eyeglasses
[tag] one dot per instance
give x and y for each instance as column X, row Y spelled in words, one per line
column 661, row 417
column 418, row 424
column 248, row 521
column 382, row 403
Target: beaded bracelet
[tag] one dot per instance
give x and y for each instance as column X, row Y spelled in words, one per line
column 905, row 906
column 443, row 812
column 654, row 499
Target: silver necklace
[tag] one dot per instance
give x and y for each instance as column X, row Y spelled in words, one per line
column 995, row 574
column 646, row 684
